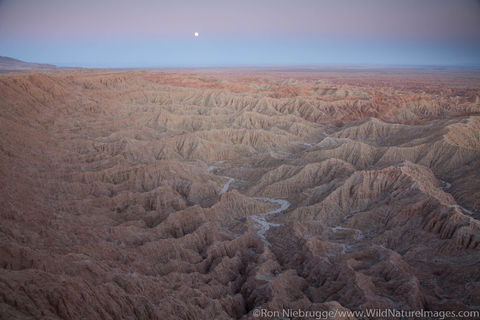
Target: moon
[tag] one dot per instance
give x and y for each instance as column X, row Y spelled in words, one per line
column 196, row 34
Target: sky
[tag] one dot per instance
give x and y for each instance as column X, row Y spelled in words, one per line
column 157, row 33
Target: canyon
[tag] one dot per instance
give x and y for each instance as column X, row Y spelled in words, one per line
column 210, row 193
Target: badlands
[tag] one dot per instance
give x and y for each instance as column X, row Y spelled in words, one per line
column 210, row 194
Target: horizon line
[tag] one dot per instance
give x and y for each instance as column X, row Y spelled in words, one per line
column 260, row 66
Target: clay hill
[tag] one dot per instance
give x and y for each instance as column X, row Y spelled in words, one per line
column 211, row 194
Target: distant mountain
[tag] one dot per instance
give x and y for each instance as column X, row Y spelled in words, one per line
column 9, row 64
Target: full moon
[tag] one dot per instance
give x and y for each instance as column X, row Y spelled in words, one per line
column 196, row 34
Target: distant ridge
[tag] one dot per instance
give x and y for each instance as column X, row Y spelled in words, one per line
column 8, row 64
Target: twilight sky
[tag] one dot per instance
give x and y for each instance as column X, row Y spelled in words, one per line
column 149, row 33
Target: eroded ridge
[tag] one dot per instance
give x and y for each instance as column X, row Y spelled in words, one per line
column 155, row 195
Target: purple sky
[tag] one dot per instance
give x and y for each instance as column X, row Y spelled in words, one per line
column 242, row 32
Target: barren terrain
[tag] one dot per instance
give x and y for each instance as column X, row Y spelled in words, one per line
column 207, row 194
